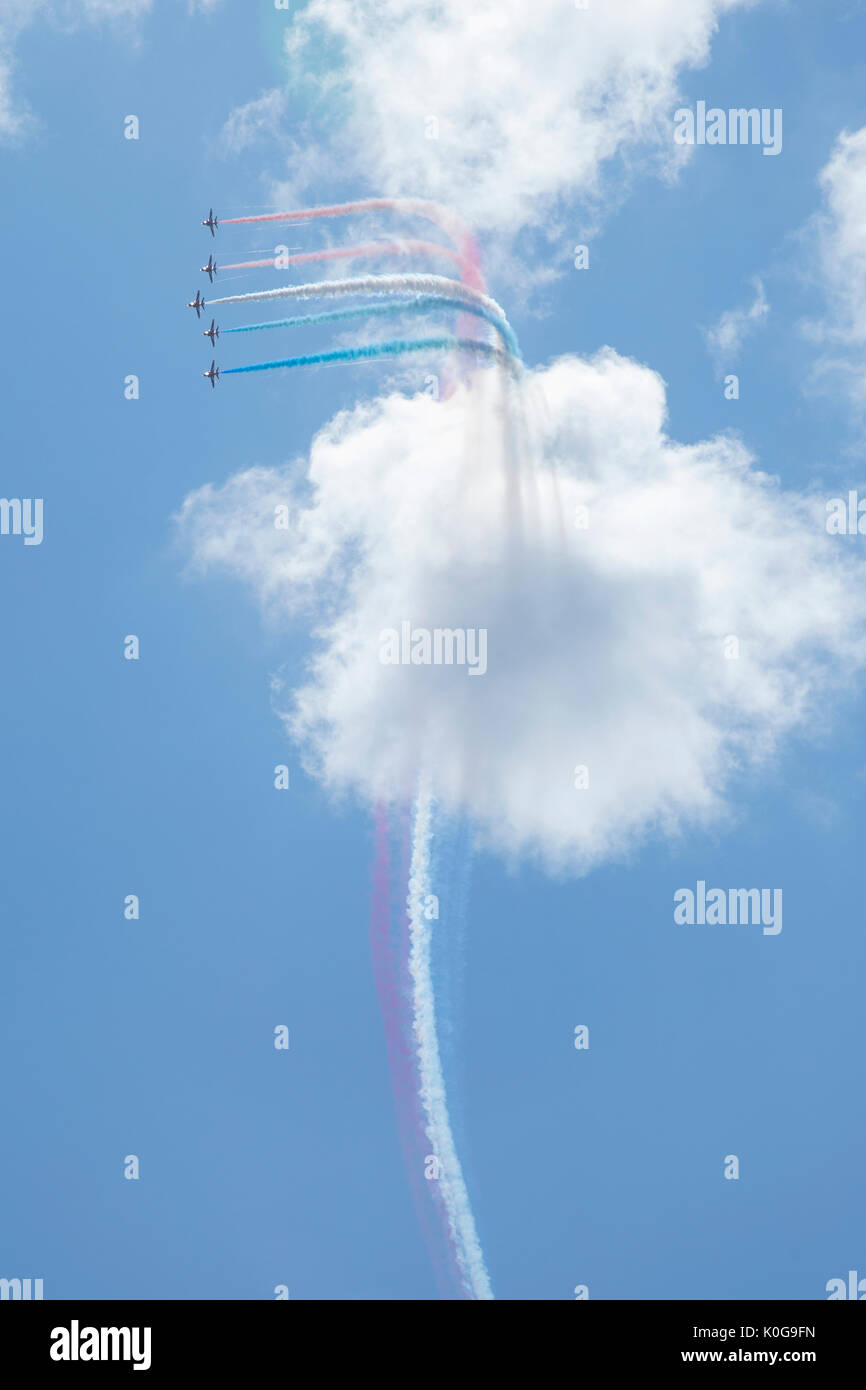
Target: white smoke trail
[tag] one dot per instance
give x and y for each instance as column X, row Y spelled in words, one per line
column 372, row 284
column 432, row 1082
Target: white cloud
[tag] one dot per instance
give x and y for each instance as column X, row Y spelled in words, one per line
column 725, row 338
column 255, row 120
column 530, row 99
column 841, row 236
column 13, row 121
column 14, row 16
column 606, row 645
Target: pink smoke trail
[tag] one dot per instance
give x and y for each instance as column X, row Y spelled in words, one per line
column 369, row 250
column 467, row 255
column 391, row 967
column 384, row 966
column 406, row 1076
column 441, row 217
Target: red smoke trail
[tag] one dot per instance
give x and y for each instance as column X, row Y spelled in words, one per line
column 467, row 254
column 384, row 965
column 413, row 207
column 390, row 958
column 341, row 253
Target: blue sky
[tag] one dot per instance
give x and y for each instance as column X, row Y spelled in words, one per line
column 154, row 777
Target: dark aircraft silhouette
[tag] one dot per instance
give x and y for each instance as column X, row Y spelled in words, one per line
column 210, row 269
column 197, row 304
column 212, row 333
column 213, row 375
column 212, row 222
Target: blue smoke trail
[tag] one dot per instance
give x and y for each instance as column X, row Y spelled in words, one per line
column 417, row 304
column 369, row 351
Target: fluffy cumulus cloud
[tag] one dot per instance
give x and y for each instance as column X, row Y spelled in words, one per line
column 500, row 107
column 841, row 229
column 658, row 614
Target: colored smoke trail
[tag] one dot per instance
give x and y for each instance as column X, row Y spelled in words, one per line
column 452, row 869
column 385, row 951
column 384, row 963
column 364, row 250
column 432, row 1082
column 389, row 950
column 422, row 1110
column 419, row 304
column 372, row 285
column 441, row 217
column 369, row 352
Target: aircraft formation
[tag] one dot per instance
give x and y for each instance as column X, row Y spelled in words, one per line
column 394, row 296
column 210, row 270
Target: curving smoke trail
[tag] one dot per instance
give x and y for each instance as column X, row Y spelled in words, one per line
column 372, row 285
column 369, row 352
column 389, row 945
column 441, row 217
column 403, row 964
column 452, row 866
column 418, row 304
column 432, row 1081
column 364, row 250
